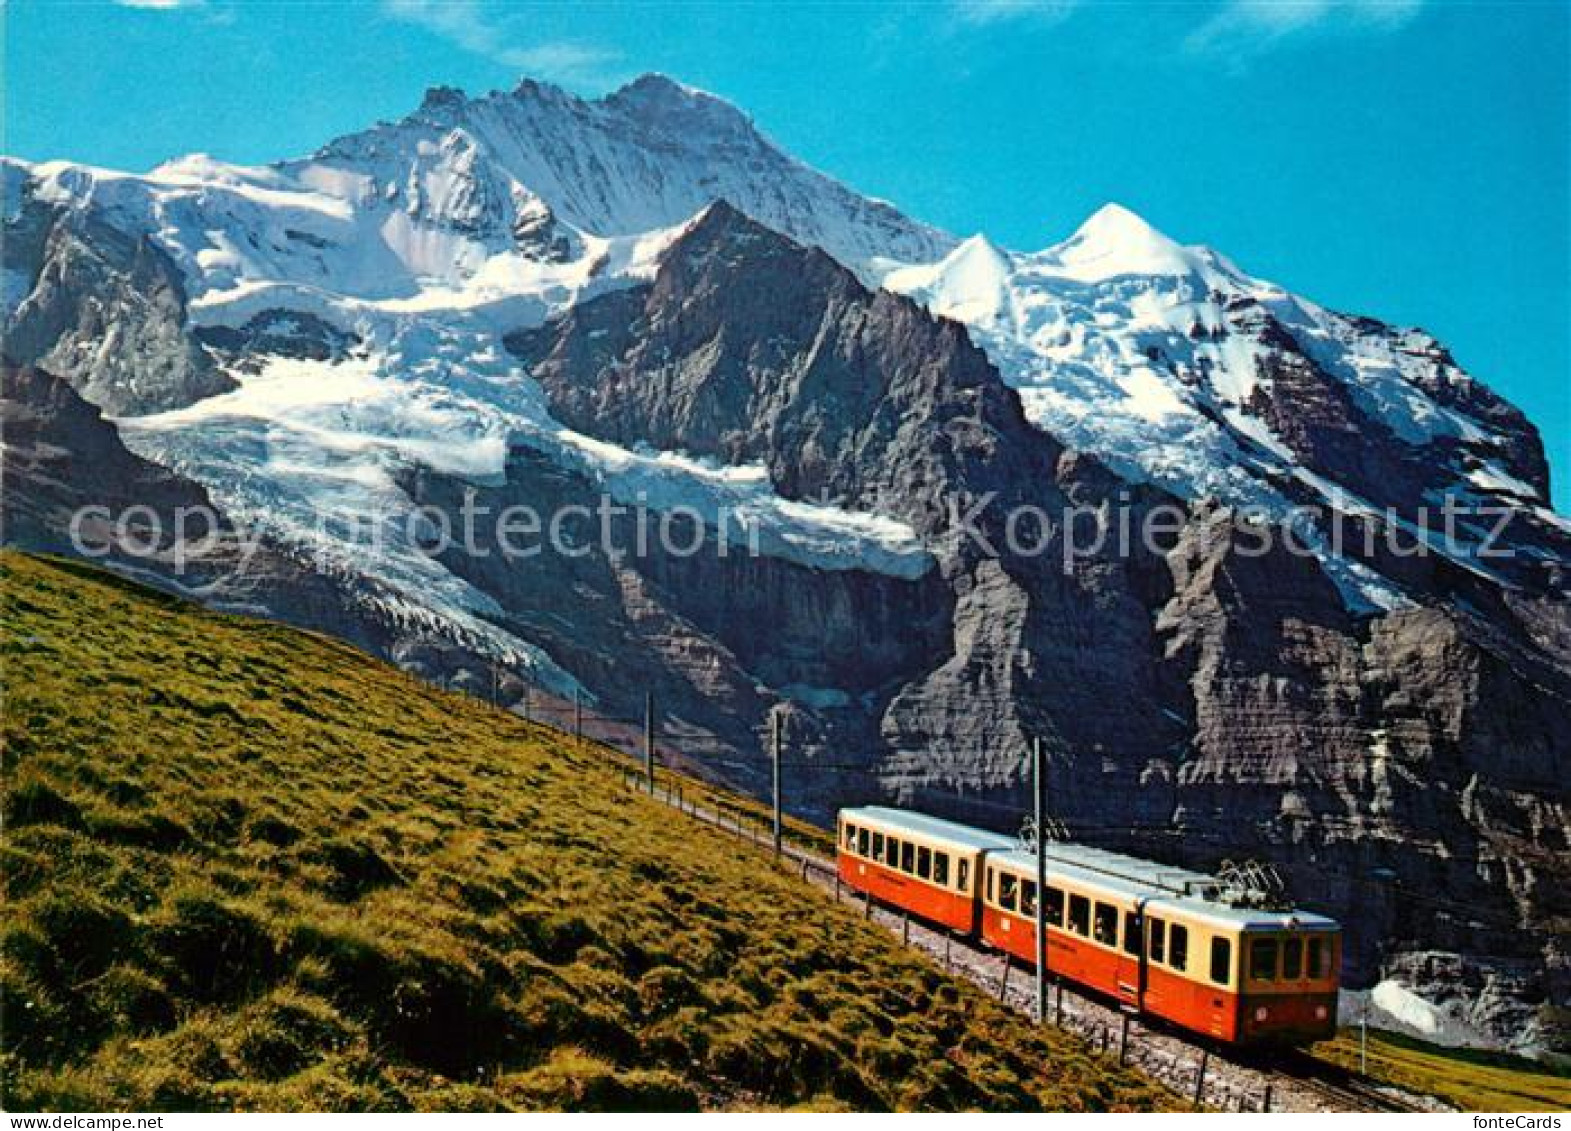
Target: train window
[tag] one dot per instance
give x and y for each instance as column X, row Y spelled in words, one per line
column 892, row 852
column 1055, row 907
column 924, row 862
column 1080, row 915
column 1262, row 960
column 907, row 856
column 878, row 847
column 1106, row 924
column 1222, row 961
column 941, row 868
column 1007, row 885
column 1292, row 958
column 1317, row 957
column 861, row 842
column 1156, row 942
column 1178, row 946
column 850, row 837
column 1028, row 897
column 963, row 874
column 1131, row 932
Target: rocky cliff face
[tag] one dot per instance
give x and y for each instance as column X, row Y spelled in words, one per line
column 1204, row 702
column 104, row 309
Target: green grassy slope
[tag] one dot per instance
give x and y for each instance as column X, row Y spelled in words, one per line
column 1473, row 1080
column 248, row 867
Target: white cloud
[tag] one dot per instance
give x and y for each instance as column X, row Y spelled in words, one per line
column 472, row 26
column 999, row 11
column 1249, row 27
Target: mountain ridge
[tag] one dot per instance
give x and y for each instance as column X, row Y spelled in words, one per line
column 532, row 297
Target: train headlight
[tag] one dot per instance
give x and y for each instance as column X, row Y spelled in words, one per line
column 1262, row 1013
column 1320, row 1013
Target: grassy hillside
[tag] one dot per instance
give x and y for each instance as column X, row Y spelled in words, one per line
column 1473, row 1080
column 247, row 867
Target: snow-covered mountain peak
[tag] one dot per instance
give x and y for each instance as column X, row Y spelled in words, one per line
column 972, row 284
column 663, row 103
column 438, row 98
column 1114, row 241
column 644, row 157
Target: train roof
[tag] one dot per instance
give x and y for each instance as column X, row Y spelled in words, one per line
column 935, row 827
column 1161, row 885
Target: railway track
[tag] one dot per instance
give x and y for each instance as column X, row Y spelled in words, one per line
column 1343, row 1087
column 1210, row 1076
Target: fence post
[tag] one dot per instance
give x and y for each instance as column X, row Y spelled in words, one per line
column 1003, row 980
column 949, row 939
column 1123, row 1041
column 1265, row 1104
column 905, row 928
column 1058, row 1004
column 1200, row 1077
column 578, row 716
column 867, row 905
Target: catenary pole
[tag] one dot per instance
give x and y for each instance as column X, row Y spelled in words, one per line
column 649, row 740
column 774, row 764
column 1039, row 761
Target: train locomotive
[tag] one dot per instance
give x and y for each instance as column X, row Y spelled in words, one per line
column 1162, row 941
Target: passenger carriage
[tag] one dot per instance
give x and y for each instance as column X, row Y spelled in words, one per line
column 929, row 866
column 1163, row 941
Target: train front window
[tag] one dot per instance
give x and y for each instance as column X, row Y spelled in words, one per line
column 1262, row 960
column 1106, row 924
column 1080, row 915
column 941, row 868
column 1131, row 933
column 850, row 838
column 1317, row 957
column 878, row 847
column 1055, row 907
column 924, row 862
column 1292, row 959
column 1178, row 947
column 1006, row 891
column 1222, row 961
column 862, row 842
column 1156, row 945
column 907, row 856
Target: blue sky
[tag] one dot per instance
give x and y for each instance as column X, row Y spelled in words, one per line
column 1406, row 159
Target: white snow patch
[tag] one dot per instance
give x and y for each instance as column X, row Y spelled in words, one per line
column 1407, row 1007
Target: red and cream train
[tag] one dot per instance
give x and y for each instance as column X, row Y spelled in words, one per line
column 1159, row 940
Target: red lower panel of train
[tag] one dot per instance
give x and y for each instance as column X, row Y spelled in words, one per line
column 1189, row 1002
column 929, row 901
